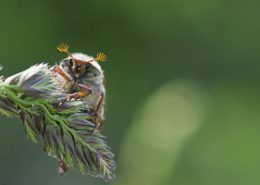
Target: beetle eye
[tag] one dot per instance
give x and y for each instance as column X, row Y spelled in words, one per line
column 71, row 61
column 87, row 65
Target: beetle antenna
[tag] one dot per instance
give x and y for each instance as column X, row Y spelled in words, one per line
column 64, row 48
column 101, row 57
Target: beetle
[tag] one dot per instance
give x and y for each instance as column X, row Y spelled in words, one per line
column 82, row 78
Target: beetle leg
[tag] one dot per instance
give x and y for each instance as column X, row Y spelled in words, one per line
column 101, row 101
column 78, row 95
column 86, row 87
column 58, row 70
column 89, row 90
column 99, row 121
column 86, row 90
column 98, row 125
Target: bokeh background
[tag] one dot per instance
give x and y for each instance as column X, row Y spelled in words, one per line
column 183, row 87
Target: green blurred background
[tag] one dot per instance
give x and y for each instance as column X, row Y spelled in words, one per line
column 182, row 79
